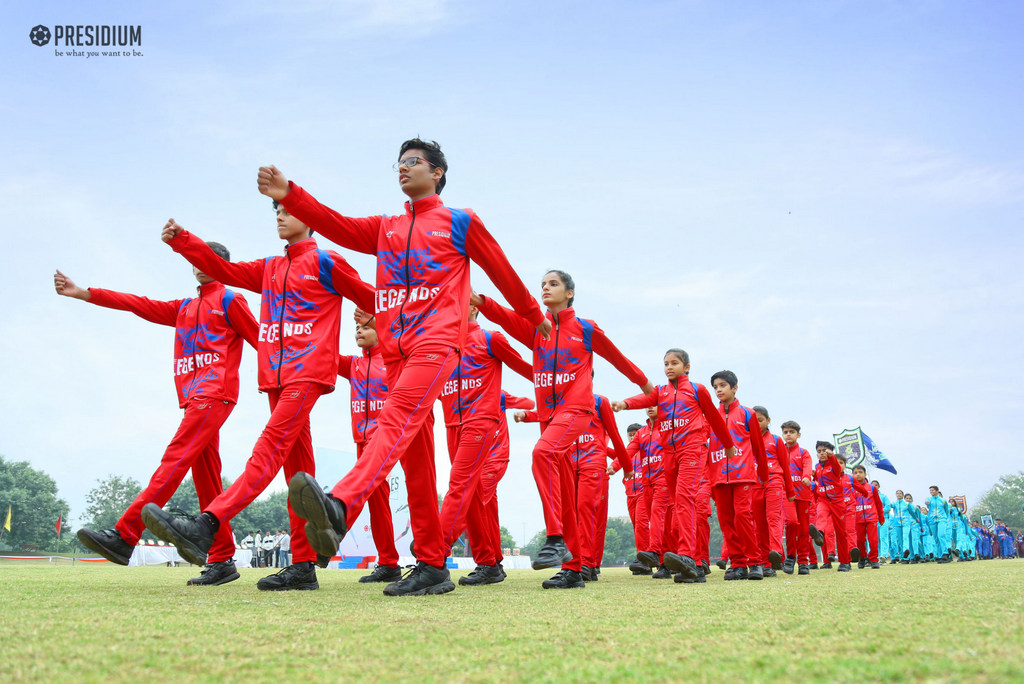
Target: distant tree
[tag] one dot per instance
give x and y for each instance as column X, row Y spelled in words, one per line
column 270, row 513
column 619, row 548
column 1004, row 501
column 32, row 497
column 533, row 546
column 507, row 540
column 108, row 501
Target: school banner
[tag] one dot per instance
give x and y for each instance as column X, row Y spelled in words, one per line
column 988, row 522
column 859, row 449
column 960, row 501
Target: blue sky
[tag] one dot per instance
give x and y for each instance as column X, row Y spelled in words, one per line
column 824, row 197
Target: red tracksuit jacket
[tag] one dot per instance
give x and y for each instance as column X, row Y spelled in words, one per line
column 749, row 464
column 595, row 437
column 646, row 453
column 300, row 312
column 423, row 260
column 209, row 330
column 868, row 503
column 685, row 412
column 368, row 380
column 563, row 365
column 778, row 462
column 800, row 466
column 828, row 478
column 474, row 388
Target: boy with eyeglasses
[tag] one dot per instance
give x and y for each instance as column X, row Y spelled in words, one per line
column 421, row 306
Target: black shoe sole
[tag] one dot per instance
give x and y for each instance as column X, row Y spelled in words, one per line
column 487, row 580
column 152, row 515
column 95, row 545
column 677, row 563
column 223, row 580
column 538, row 564
column 308, row 586
column 441, row 588
column 574, row 585
column 307, row 501
column 775, row 558
column 368, row 579
column 816, row 536
column 647, row 558
column 854, row 555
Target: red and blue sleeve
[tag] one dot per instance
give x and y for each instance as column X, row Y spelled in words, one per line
column 641, row 401
column 338, row 275
column 714, row 417
column 484, row 250
column 357, row 234
column 606, row 349
column 162, row 313
column 608, row 421
column 782, row 454
column 241, row 319
column 514, row 324
column 503, row 351
column 244, row 274
column 345, row 366
column 760, row 455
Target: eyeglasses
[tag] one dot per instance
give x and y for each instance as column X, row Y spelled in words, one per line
column 411, row 162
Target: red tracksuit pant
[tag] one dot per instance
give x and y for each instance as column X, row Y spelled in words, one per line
column 639, row 514
column 482, row 525
column 553, row 472
column 602, row 521
column 768, row 516
column 663, row 510
column 798, row 535
column 468, row 447
column 381, row 527
column 834, row 518
column 735, row 516
column 867, row 532
column 285, row 442
column 195, row 445
column 587, row 473
column 688, row 465
column 405, row 433
column 703, row 537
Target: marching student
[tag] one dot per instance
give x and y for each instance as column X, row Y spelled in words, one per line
column 686, row 415
column 733, row 475
column 421, row 304
column 869, row 512
column 368, row 383
column 638, row 448
column 562, row 370
column 300, row 315
column 938, row 524
column 770, row 497
column 209, row 330
column 828, row 475
column 799, row 551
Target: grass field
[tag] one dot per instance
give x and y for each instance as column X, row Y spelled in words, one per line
column 958, row 622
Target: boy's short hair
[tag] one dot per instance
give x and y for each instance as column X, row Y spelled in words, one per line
column 841, row 458
column 791, row 425
column 823, row 443
column 763, row 411
column 726, row 375
column 278, row 204
column 859, row 467
column 634, row 427
column 220, row 250
column 433, row 154
column 683, row 356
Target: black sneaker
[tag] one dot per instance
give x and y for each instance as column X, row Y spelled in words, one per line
column 855, row 555
column 215, row 574
column 648, row 558
column 107, row 543
column 551, row 555
column 803, row 570
column 816, row 535
column 192, row 535
column 861, row 563
column 775, row 558
column 721, row 562
column 826, row 566
column 755, row 572
column 383, row 573
column 297, row 576
column 640, row 571
column 322, row 561
column 741, row 574
column 684, row 565
column 484, row 574
column 587, row 573
column 421, row 580
column 662, row 573
column 730, row 574
column 787, row 567
column 813, row 566
column 769, row 571
column 843, row 567
column 875, row 565
column 832, row 558
column 324, row 515
column 564, row 579
column 906, row 553
column 679, row 579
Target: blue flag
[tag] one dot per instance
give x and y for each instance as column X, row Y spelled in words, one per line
column 875, row 456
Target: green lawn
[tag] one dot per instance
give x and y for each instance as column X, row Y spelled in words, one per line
column 957, row 622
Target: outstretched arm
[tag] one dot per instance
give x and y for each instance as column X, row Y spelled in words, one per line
column 503, row 351
column 603, row 346
column 607, row 417
column 760, row 455
column 514, row 324
column 246, row 274
column 715, row 420
column 162, row 313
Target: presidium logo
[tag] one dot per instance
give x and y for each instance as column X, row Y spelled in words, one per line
column 106, row 40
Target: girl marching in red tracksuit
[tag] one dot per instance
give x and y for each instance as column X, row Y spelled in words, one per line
column 423, row 272
column 482, row 525
column 471, row 400
column 799, row 551
column 368, row 384
column 589, row 474
column 733, row 473
column 686, row 414
column 769, row 499
column 209, row 330
column 300, row 315
column 641, row 443
column 562, row 377
column 828, row 476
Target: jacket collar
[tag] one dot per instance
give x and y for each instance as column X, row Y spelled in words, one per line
column 425, row 204
column 300, row 247
column 207, row 289
column 566, row 314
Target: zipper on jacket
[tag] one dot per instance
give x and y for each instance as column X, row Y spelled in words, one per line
column 408, row 286
column 195, row 332
column 554, row 367
column 366, row 393
column 280, row 323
